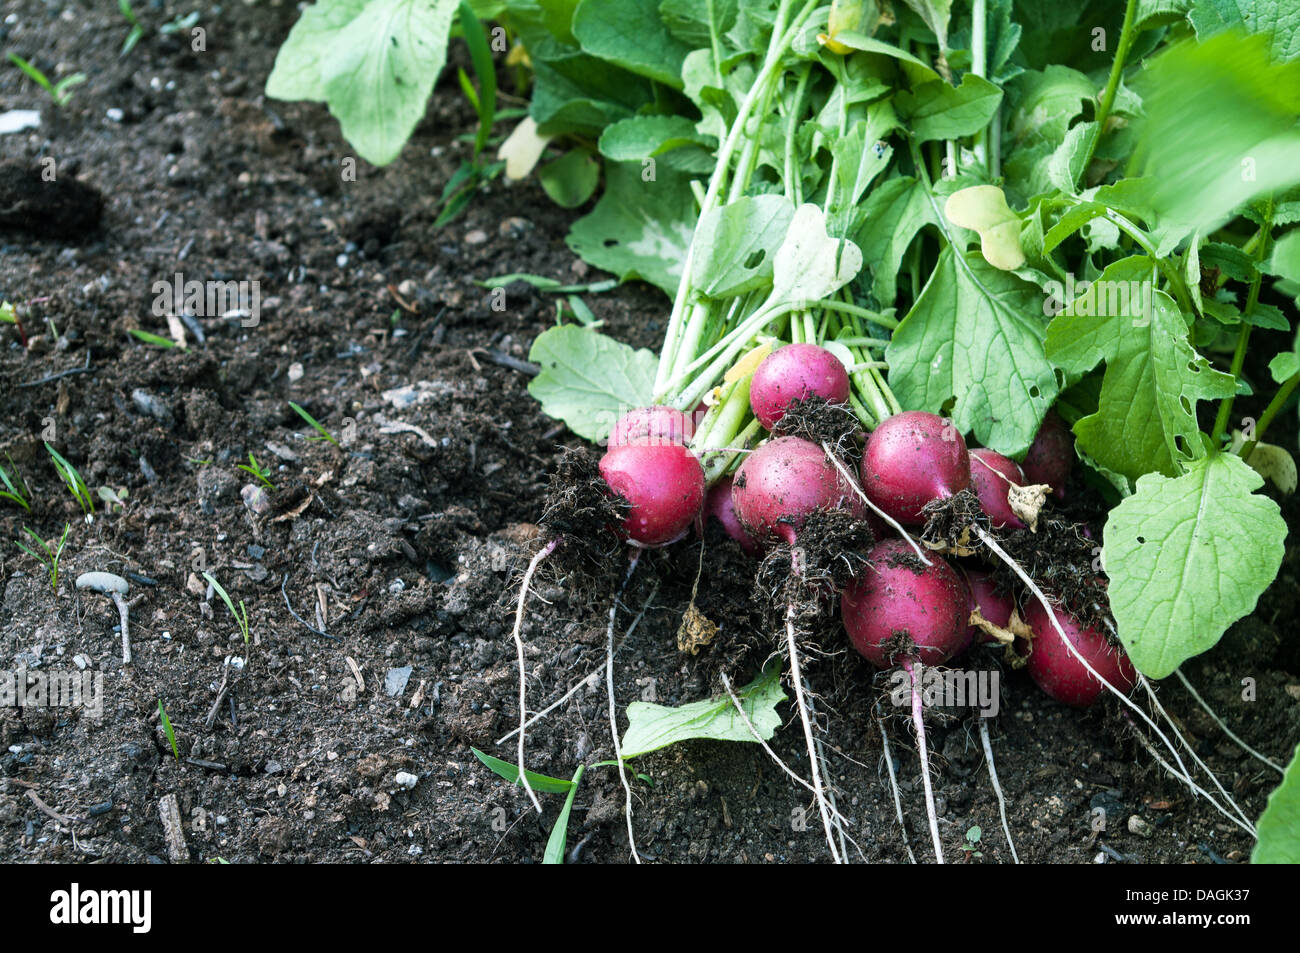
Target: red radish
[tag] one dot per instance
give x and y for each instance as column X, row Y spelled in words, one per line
column 1060, row 674
column 784, row 481
column 794, row 373
column 1051, row 456
column 912, row 459
column 896, row 603
column 990, row 475
column 900, row 613
column 663, row 482
column 994, row 606
column 718, row 506
column 652, row 425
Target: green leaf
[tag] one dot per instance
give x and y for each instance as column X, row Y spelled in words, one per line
column 557, row 841
column 589, row 380
column 651, row 727
column 938, row 111
column 638, row 229
column 297, row 71
column 630, row 34
column 917, row 70
column 973, row 334
column 736, row 244
column 1220, row 129
column 538, row 782
column 1146, row 417
column 1065, row 168
column 571, row 179
column 1046, row 102
column 1187, row 556
column 1285, row 260
column 810, row 264
column 642, row 137
column 1284, row 366
column 1279, row 825
column 891, row 216
column 696, row 22
column 936, row 14
column 1279, row 19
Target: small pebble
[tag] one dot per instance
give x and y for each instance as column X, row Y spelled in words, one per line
column 476, row 237
column 114, row 114
column 406, row 780
column 395, row 681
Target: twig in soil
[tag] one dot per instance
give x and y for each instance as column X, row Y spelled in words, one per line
column 301, row 620
column 911, row 666
column 796, row 676
column 502, row 359
column 49, row 811
column 580, row 683
column 221, row 696
column 997, row 788
column 894, row 524
column 61, row 374
column 893, row 783
column 1185, row 776
column 613, row 717
column 169, row 812
column 1224, row 727
column 523, row 672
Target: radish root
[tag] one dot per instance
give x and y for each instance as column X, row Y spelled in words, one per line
column 997, row 788
column 523, row 673
column 913, row 666
column 796, row 676
column 613, row 716
column 1223, row 725
column 893, row 783
column 1185, row 776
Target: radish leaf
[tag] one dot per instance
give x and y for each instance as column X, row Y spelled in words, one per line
column 651, row 727
column 973, row 335
column 589, row 380
column 1187, row 556
column 1279, row 825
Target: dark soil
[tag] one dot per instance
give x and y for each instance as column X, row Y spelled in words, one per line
column 413, row 540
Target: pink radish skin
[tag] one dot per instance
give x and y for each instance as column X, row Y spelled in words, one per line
column 663, row 482
column 718, row 506
column 794, row 373
column 931, row 606
column 985, row 465
column 784, row 481
column 911, row 459
column 1051, row 456
column 993, row 606
column 656, row 424
column 1062, row 676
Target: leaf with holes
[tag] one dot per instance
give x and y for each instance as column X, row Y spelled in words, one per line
column 1146, row 414
column 1188, row 556
column 973, row 335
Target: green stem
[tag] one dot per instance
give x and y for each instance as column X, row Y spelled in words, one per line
column 717, row 463
column 1126, row 37
column 1271, row 411
column 979, row 63
column 1243, row 337
column 844, row 307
